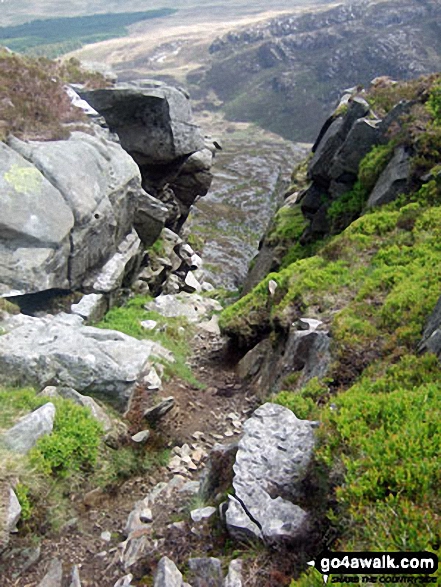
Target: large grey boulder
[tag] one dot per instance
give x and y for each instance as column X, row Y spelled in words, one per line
column 431, row 340
column 306, row 352
column 60, row 349
column 194, row 307
column 35, row 224
column 272, row 461
column 393, row 181
column 65, row 208
column 167, row 574
column 24, row 435
column 154, row 124
column 152, row 120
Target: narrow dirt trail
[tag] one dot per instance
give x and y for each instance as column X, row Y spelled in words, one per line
column 199, row 419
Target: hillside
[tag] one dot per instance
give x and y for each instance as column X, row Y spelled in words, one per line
column 152, row 433
column 286, row 74
column 363, row 274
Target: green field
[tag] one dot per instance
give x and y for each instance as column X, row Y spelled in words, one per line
column 55, row 36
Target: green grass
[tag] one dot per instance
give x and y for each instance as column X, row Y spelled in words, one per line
column 171, row 333
column 55, row 36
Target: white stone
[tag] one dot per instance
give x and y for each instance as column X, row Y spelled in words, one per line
column 202, row 514
column 23, row 436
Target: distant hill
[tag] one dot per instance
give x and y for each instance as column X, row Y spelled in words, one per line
column 55, row 36
column 286, row 74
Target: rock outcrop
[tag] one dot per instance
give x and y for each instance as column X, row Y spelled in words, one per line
column 61, row 350
column 24, row 435
column 66, row 210
column 154, row 124
column 431, row 340
column 272, row 461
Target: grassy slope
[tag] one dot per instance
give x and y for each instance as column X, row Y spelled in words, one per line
column 374, row 285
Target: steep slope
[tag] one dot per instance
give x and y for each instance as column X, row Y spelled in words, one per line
column 285, row 73
column 338, row 333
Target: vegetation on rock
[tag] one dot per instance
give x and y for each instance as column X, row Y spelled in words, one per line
column 34, row 104
column 374, row 286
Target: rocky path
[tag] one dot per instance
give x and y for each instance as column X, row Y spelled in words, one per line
column 95, row 538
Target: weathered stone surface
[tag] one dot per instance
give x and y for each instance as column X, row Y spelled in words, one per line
column 154, row 414
column 206, row 572
column 191, row 284
column 272, row 461
column 90, row 360
column 152, row 120
column 35, row 224
column 23, row 436
column 91, row 307
column 167, row 574
column 78, row 200
column 13, row 511
column 360, row 140
column 125, row 260
column 150, row 218
column 218, row 473
column 431, row 340
column 54, row 575
column 134, row 548
column 252, row 362
column 141, row 437
column 192, row 306
column 10, row 511
column 306, row 352
column 393, row 181
column 202, row 514
column 87, row 402
column 234, row 577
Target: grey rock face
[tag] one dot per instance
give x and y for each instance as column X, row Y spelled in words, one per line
column 110, row 276
column 167, row 574
column 23, row 436
column 91, row 307
column 272, row 460
column 307, row 353
column 66, row 206
column 207, row 572
column 154, row 124
column 234, row 577
column 359, row 141
column 125, row 581
column 59, row 348
column 151, row 119
column 75, row 578
column 393, row 181
column 35, row 224
column 431, row 341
